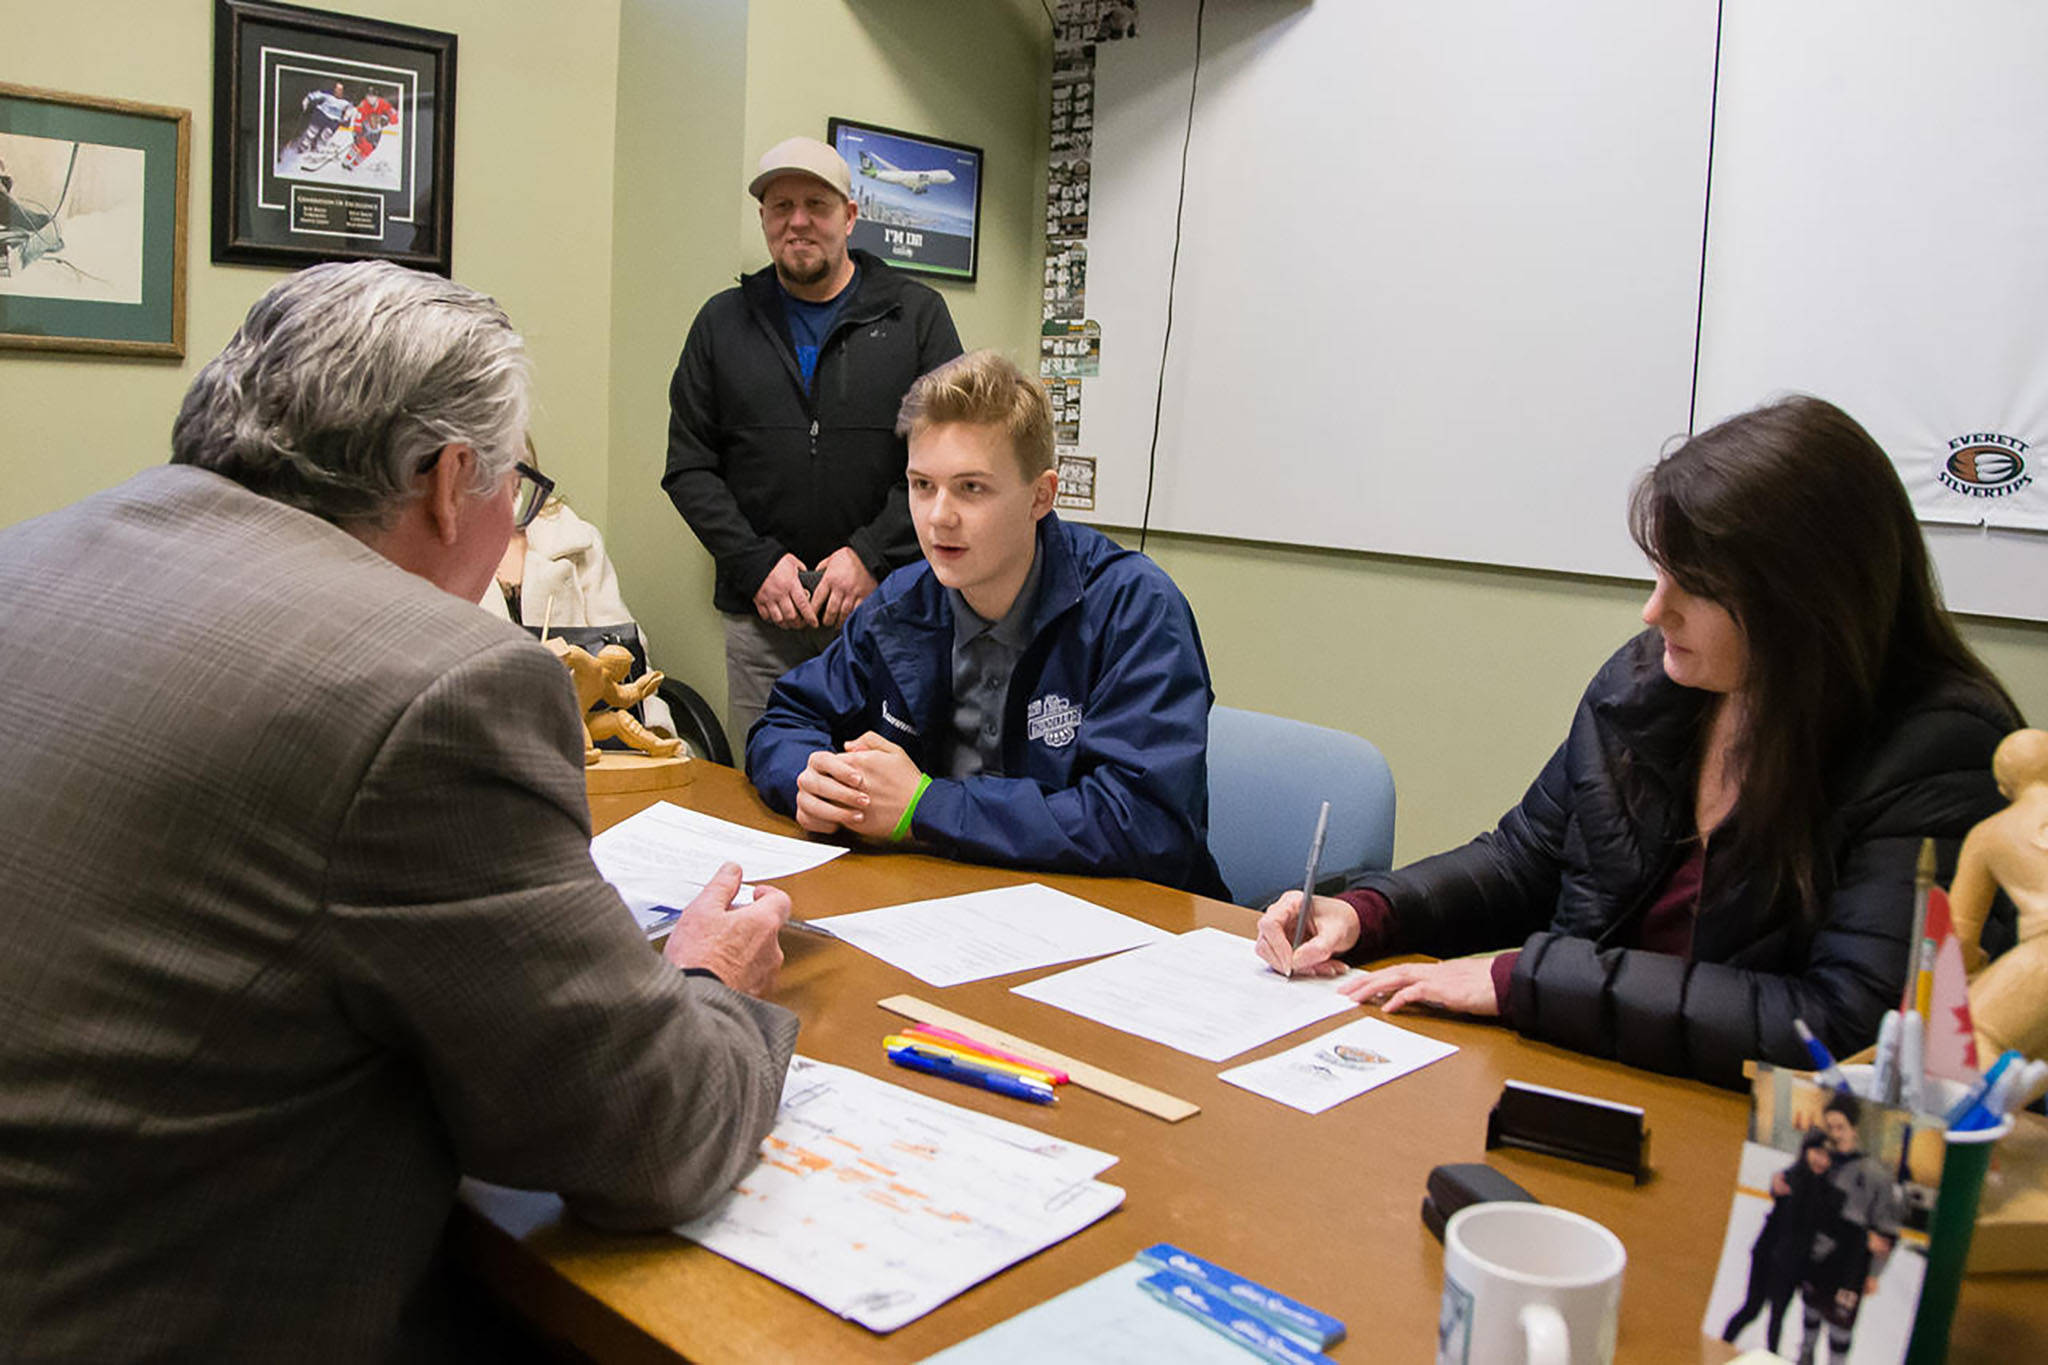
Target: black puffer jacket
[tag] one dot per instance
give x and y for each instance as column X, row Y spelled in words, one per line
column 1607, row 821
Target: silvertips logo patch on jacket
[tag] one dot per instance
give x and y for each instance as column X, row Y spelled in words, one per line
column 1053, row 719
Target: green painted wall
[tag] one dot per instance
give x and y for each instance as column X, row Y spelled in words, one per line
column 532, row 226
column 704, row 89
column 682, row 84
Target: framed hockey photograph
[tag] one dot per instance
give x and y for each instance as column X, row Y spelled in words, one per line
column 919, row 197
column 333, row 138
column 92, row 223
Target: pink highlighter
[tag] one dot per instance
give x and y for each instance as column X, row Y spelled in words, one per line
column 966, row 1044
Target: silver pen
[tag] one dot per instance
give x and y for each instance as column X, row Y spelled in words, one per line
column 1308, row 885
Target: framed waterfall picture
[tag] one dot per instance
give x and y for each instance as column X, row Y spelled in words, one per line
column 333, row 138
column 919, row 197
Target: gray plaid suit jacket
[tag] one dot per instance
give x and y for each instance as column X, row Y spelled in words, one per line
column 301, row 923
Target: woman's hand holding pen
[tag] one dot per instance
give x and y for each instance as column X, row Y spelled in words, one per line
column 1333, row 926
column 1463, row 985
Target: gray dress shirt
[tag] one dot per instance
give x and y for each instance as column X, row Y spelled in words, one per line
column 985, row 654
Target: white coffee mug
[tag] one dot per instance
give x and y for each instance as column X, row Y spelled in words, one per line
column 1528, row 1283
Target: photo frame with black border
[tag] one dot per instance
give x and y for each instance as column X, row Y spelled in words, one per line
column 334, row 138
column 919, row 197
column 92, row 223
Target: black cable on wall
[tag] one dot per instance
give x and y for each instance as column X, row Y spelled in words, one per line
column 1172, row 275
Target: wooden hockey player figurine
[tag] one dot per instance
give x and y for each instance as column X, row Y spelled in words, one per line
column 601, row 684
column 2009, row 850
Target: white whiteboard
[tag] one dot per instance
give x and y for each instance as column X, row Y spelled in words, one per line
column 1440, row 274
column 1879, row 236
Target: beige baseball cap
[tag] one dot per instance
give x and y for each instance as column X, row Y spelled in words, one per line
column 803, row 156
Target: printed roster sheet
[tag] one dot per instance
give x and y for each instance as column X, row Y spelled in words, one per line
column 881, row 1203
column 989, row 933
column 660, row 858
column 1204, row 992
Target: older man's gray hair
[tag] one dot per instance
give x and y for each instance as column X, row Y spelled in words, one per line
column 345, row 379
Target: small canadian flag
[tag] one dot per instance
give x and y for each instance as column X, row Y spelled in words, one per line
column 1940, row 989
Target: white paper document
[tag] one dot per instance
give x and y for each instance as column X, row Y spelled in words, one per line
column 990, row 933
column 1204, row 992
column 660, row 858
column 1106, row 1321
column 881, row 1204
column 1342, row 1064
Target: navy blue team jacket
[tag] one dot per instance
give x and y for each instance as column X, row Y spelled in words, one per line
column 1105, row 728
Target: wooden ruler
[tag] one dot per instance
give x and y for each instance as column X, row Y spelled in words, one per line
column 1157, row 1103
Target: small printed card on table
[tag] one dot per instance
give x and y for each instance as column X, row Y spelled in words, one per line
column 1341, row 1065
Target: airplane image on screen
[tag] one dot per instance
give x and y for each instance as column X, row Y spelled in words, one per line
column 917, row 182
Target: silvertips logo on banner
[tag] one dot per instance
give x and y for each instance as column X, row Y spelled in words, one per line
column 1984, row 464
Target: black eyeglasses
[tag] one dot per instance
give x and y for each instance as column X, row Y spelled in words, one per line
column 535, row 488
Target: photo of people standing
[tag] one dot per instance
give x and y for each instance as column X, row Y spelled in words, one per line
column 1831, row 1209
column 1851, row 1246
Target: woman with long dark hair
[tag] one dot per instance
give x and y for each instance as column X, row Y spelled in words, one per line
column 1726, row 839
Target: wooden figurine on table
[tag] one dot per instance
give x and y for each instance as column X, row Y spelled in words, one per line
column 600, row 684
column 2009, row 850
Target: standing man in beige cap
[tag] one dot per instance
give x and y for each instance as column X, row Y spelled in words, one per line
column 782, row 447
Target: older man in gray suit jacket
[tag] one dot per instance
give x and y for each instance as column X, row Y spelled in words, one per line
column 296, row 880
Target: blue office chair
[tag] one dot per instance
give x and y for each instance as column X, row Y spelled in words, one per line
column 1268, row 776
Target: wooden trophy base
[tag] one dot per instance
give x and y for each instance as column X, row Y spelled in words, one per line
column 614, row 773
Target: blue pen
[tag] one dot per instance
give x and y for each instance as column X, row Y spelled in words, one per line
column 1825, row 1070
column 1016, row 1087
column 1968, row 1112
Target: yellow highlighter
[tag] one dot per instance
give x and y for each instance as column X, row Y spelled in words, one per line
column 961, row 1057
column 960, row 1042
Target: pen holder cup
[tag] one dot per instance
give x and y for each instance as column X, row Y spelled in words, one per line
column 1965, row 1161
column 1963, row 1167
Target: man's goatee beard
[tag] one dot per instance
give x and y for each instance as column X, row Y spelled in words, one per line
column 806, row 280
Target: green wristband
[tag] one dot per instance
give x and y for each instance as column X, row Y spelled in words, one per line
column 902, row 830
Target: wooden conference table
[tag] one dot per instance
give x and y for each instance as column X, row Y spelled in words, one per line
column 1324, row 1207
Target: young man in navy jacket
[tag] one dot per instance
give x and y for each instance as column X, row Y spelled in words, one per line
column 1031, row 694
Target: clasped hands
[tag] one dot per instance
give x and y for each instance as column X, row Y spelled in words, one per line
column 843, row 584
column 863, row 790
column 1462, row 985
